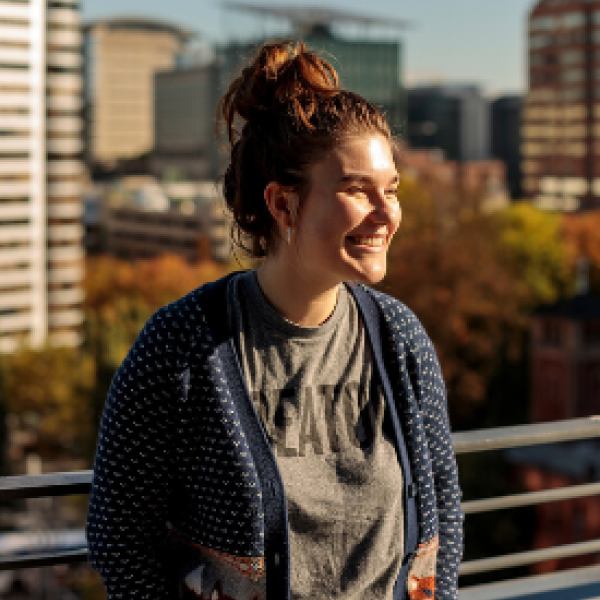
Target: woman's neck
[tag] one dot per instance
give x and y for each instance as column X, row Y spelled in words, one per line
column 296, row 296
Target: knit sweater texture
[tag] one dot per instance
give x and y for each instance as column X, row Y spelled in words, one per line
column 182, row 457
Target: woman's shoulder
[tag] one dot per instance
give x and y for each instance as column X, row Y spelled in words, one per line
column 395, row 312
column 185, row 323
column 209, row 296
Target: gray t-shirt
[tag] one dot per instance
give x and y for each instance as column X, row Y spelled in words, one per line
column 323, row 411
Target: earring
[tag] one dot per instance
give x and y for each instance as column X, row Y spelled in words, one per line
column 289, row 235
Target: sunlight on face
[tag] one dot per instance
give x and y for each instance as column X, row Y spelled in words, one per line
column 380, row 153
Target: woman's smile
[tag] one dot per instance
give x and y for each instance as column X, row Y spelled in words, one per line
column 350, row 214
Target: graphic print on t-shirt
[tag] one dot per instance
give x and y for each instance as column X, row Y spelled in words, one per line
column 316, row 393
column 316, row 419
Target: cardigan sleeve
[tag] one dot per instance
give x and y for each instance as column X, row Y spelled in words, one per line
column 431, row 393
column 126, row 522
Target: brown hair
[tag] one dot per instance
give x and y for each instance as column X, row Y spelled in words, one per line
column 292, row 112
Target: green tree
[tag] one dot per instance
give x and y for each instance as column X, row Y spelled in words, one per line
column 532, row 246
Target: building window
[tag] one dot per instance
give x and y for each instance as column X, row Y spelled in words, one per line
column 573, row 75
column 543, row 23
column 570, row 57
column 577, row 94
column 591, row 333
column 540, row 41
column 574, row 20
column 552, row 333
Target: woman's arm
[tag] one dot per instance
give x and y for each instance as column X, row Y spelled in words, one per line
column 133, row 473
column 432, row 400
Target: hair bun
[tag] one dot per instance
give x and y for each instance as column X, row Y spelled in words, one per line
column 283, row 78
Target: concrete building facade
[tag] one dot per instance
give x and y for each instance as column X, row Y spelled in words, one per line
column 185, row 102
column 41, row 252
column 136, row 217
column 561, row 120
column 121, row 57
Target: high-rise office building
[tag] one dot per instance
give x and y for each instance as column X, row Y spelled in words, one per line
column 41, row 255
column 121, row 57
column 561, row 119
column 506, row 139
column 367, row 65
column 452, row 118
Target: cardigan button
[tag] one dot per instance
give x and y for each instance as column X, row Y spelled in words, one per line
column 413, row 584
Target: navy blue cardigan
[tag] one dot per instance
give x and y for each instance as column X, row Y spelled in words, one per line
column 181, row 449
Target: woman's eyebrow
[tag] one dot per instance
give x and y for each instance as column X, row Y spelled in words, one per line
column 352, row 177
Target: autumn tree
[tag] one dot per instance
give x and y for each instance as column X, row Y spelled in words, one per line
column 48, row 391
column 532, row 245
column 582, row 233
column 472, row 278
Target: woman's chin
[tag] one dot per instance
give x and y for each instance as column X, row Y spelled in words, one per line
column 371, row 274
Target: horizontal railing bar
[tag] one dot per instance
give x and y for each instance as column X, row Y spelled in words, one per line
column 497, row 438
column 534, row 585
column 48, row 484
column 530, row 498
column 519, row 559
column 43, row 560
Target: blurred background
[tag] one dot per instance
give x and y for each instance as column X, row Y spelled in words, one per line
column 110, row 206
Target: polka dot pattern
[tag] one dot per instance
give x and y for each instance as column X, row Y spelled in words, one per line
column 423, row 409
column 172, row 452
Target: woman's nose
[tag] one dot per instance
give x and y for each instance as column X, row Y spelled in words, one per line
column 386, row 208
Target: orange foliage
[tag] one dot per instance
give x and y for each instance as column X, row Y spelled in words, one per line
column 444, row 265
column 154, row 282
column 582, row 233
column 121, row 296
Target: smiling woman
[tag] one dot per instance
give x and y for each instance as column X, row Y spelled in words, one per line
column 282, row 433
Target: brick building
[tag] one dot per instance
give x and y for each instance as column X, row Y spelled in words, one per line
column 561, row 120
column 565, row 360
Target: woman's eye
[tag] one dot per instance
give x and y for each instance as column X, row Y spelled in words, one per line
column 355, row 189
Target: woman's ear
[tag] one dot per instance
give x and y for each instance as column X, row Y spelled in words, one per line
column 282, row 204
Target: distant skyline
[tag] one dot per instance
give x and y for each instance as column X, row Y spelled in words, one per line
column 452, row 41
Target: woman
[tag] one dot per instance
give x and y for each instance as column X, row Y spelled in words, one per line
column 282, row 433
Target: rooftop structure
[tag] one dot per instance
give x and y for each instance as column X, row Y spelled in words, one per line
column 137, row 217
column 369, row 66
column 309, row 19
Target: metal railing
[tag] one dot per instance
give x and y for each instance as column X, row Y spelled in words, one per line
column 63, row 484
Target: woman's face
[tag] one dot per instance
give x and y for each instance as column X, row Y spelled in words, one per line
column 347, row 221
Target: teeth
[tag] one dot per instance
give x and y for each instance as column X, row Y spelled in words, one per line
column 369, row 241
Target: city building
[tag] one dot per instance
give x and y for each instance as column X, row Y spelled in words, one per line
column 506, row 139
column 41, row 253
column 137, row 217
column 484, row 180
column 561, row 135
column 185, row 101
column 451, row 118
column 121, row 57
column 565, row 384
column 369, row 65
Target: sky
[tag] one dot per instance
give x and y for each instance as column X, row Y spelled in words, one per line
column 453, row 41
